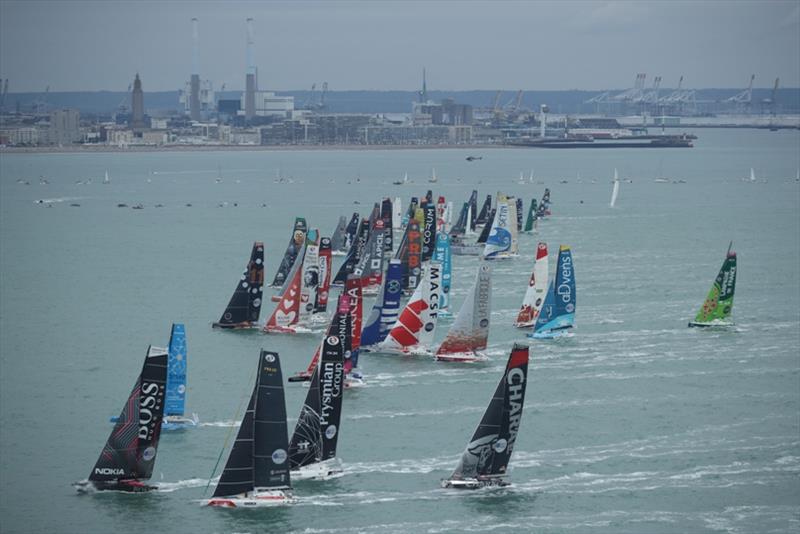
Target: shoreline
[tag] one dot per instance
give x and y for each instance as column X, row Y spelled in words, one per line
column 95, row 149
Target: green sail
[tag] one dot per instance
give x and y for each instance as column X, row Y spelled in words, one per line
column 531, row 217
column 719, row 302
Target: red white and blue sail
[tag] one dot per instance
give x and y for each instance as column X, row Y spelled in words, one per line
column 386, row 307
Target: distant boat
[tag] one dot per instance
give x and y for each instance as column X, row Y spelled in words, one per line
column 717, row 308
column 615, row 190
column 474, row 158
column 433, row 179
column 521, row 180
column 557, row 315
column 129, row 454
column 530, row 178
column 312, row 447
column 404, row 181
column 537, row 290
column 485, row 460
column 469, row 333
column 106, row 180
column 661, row 181
column 244, row 307
column 752, row 175
column 257, row 472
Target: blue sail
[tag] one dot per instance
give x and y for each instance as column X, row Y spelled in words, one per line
column 176, row 372
column 558, row 310
column 386, row 307
column 499, row 240
column 442, row 255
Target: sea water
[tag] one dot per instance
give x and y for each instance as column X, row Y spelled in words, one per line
column 635, row 424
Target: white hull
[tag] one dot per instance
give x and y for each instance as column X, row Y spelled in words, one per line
column 179, row 422
column 462, row 357
column 474, row 483
column 351, row 381
column 253, row 499
column 319, row 471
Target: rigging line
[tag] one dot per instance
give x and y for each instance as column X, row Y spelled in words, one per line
column 230, row 430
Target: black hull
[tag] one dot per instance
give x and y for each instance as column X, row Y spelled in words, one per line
column 237, row 326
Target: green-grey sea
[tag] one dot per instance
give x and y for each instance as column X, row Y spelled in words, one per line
column 637, row 424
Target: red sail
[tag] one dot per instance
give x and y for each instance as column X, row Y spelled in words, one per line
column 287, row 312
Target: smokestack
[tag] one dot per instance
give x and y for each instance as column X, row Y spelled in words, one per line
column 194, row 96
column 250, row 77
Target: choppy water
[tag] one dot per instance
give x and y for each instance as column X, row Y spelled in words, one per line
column 636, row 424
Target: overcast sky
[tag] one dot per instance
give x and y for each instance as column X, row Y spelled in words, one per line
column 100, row 45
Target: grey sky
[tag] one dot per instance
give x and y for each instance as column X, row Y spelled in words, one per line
column 94, row 45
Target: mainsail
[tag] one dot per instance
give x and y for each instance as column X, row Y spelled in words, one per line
column 369, row 268
column 317, row 430
column 245, row 304
column 397, row 214
column 130, row 451
column 176, row 372
column 415, row 326
column 558, row 312
column 258, row 458
column 484, row 235
column 351, row 231
column 483, row 216
column 428, row 231
column 469, row 332
column 485, row 460
column 385, row 309
column 536, row 292
column 310, row 277
column 339, row 237
column 296, row 243
column 531, row 219
column 287, row 312
column 335, row 328
column 443, row 255
column 498, row 244
column 354, row 254
column 719, row 303
column 325, row 264
column 518, row 213
column 386, row 217
column 354, row 321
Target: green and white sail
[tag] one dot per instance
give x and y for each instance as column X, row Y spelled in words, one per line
column 716, row 309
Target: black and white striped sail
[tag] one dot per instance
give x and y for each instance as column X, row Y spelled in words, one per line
column 489, row 451
column 130, row 451
column 259, row 457
column 317, row 430
column 245, row 304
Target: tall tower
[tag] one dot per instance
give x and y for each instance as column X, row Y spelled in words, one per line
column 137, row 102
column 194, row 95
column 423, row 95
column 250, row 81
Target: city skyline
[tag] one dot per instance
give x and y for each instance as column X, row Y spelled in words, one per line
column 383, row 46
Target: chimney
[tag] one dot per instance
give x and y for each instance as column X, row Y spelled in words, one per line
column 250, row 77
column 194, row 97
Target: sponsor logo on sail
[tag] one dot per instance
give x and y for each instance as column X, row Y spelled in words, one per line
column 108, row 471
column 279, row 456
column 149, row 401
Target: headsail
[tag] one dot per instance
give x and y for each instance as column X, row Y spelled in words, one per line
column 536, row 292
column 469, row 332
column 258, row 458
column 296, row 243
column 130, row 451
column 245, row 304
column 287, row 312
column 558, row 312
column 489, row 450
column 615, row 190
column 518, row 214
column 176, row 372
column 719, row 303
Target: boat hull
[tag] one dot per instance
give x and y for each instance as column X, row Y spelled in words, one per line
column 126, row 486
column 551, row 334
column 319, row 471
column 474, row 483
column 255, row 499
column 179, row 422
column 237, row 326
column 713, row 324
column 464, row 357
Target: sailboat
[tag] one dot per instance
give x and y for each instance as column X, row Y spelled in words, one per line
column 557, row 315
column 443, row 255
column 401, row 182
column 469, row 333
column 296, row 243
column 752, row 175
column 312, row 447
column 530, row 178
column 174, row 418
column 414, row 329
column 615, row 190
column 485, row 460
column 339, row 237
column 245, row 304
column 537, row 289
column 385, row 309
column 257, row 471
column 521, row 180
column 292, row 315
column 499, row 242
column 716, row 310
column 129, row 454
column 532, row 219
column 106, row 180
column 433, row 179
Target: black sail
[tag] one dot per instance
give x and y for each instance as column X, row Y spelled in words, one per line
column 519, row 215
column 473, row 203
column 305, row 447
column 354, row 254
column 271, row 441
column 296, row 243
column 245, row 304
column 338, row 240
column 487, row 227
column 130, row 451
column 258, row 458
column 461, row 223
column 429, row 231
column 489, row 450
column 483, row 216
column 386, row 216
column 352, row 230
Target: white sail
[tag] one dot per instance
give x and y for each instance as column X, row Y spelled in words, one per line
column 537, row 290
column 449, row 214
column 310, row 278
column 512, row 225
column 106, row 180
column 433, row 178
column 397, row 213
column 414, row 328
column 469, row 230
column 615, row 190
column 752, row 174
column 469, row 332
column 530, row 179
column 498, row 243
